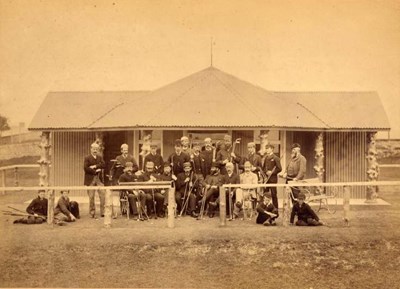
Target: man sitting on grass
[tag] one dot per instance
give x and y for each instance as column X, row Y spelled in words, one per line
column 66, row 210
column 305, row 215
column 37, row 210
column 267, row 213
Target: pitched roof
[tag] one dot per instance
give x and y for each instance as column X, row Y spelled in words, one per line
column 213, row 99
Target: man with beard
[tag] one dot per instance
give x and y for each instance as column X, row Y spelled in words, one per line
column 272, row 166
column 154, row 198
column 93, row 165
column 207, row 155
column 244, row 196
column 166, row 176
column 137, row 198
column 154, row 157
column 231, row 178
column 296, row 169
column 198, row 162
column 185, row 145
column 117, row 168
column 186, row 190
column 226, row 154
column 212, row 183
column 178, row 158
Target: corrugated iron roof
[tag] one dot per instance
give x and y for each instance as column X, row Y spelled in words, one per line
column 212, row 98
column 78, row 110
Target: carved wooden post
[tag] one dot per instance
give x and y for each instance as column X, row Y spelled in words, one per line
column 108, row 208
column 346, row 205
column 100, row 141
column 286, row 207
column 171, row 207
column 222, row 206
column 44, row 161
column 263, row 141
column 50, row 207
column 372, row 167
column 319, row 160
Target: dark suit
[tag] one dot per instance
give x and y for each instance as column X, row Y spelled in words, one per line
column 92, row 178
column 305, row 215
column 64, row 208
column 272, row 163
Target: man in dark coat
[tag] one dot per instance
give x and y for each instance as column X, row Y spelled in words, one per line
column 187, row 185
column 178, row 158
column 93, row 165
column 226, row 154
column 207, row 156
column 37, row 209
column 267, row 212
column 305, row 215
column 154, row 157
column 137, row 198
column 272, row 166
column 212, row 183
column 117, row 168
column 253, row 158
column 66, row 210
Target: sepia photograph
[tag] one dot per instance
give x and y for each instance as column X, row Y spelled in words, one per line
column 199, row 144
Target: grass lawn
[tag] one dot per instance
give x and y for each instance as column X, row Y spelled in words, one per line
column 200, row 254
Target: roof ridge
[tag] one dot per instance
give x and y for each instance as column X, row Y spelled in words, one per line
column 312, row 113
column 238, row 96
column 104, row 114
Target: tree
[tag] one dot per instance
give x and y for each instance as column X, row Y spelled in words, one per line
column 3, row 124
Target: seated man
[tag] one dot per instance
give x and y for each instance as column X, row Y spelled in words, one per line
column 66, row 210
column 137, row 198
column 246, row 197
column 154, row 198
column 267, row 213
column 212, row 184
column 305, row 215
column 186, row 190
column 37, row 210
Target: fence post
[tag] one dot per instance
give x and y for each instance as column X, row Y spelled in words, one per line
column 286, row 206
column 16, row 176
column 171, row 207
column 346, row 205
column 3, row 181
column 50, row 208
column 107, row 208
column 222, row 206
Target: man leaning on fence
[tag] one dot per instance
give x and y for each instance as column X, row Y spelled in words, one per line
column 93, row 165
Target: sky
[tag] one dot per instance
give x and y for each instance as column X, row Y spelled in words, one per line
column 302, row 45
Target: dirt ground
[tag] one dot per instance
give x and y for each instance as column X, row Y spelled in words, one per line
column 201, row 254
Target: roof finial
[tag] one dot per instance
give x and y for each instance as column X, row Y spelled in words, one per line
column 211, row 52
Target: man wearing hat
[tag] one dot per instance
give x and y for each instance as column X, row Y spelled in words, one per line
column 154, row 197
column 154, row 157
column 135, row 198
column 296, row 169
column 226, row 154
column 166, row 176
column 197, row 160
column 120, row 162
column 267, row 213
column 305, row 215
column 253, row 158
column 207, row 156
column 178, row 158
column 93, row 165
column 186, row 189
column 272, row 166
column 212, row 183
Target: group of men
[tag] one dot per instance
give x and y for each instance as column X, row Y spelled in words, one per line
column 197, row 173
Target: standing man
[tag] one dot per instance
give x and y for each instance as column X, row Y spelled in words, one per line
column 226, row 154
column 93, row 164
column 272, row 166
column 154, row 157
column 253, row 158
column 178, row 158
column 198, row 161
column 185, row 145
column 120, row 163
column 296, row 169
column 207, row 155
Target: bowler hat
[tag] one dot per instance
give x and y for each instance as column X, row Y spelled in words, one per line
column 295, row 145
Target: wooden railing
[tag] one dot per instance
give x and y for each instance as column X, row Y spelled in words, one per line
column 16, row 173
